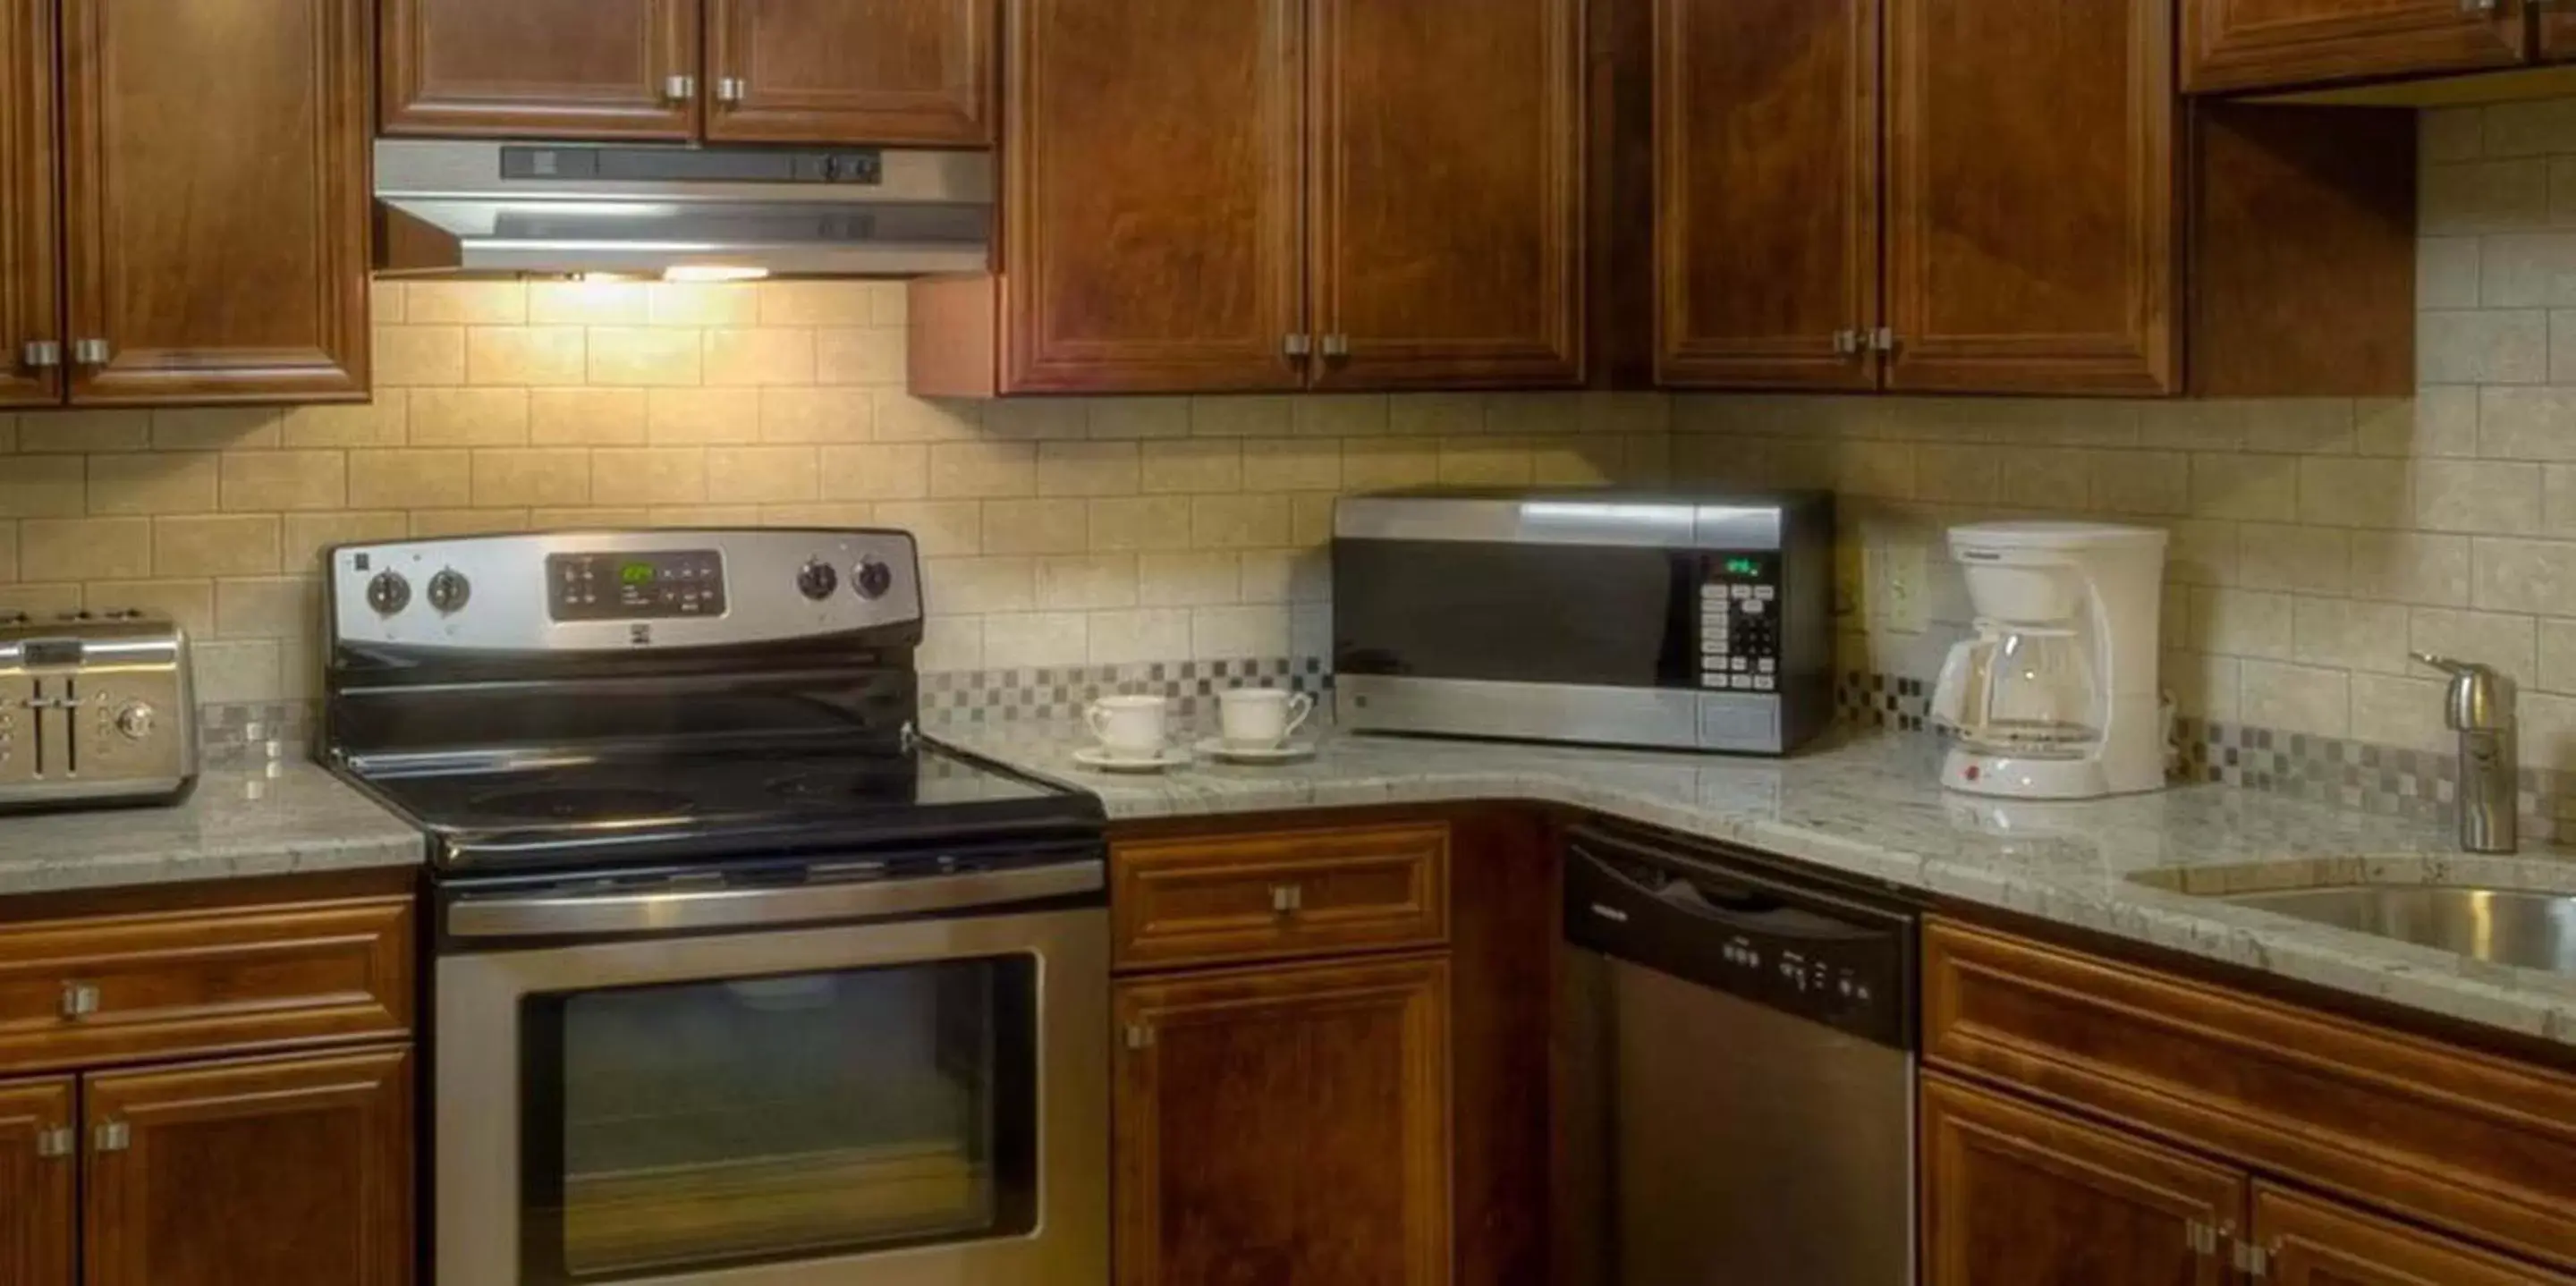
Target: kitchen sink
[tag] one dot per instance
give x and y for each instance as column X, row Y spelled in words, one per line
column 2505, row 926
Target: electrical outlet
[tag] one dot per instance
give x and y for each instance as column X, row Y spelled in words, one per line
column 1896, row 588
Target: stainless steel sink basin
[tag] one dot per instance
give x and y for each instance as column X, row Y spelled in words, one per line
column 2506, row 926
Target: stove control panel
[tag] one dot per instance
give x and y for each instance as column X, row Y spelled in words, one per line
column 609, row 586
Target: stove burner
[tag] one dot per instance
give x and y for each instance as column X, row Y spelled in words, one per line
column 579, row 804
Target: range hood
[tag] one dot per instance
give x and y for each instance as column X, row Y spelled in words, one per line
column 447, row 207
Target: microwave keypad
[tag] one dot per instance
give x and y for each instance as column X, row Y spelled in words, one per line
column 1739, row 616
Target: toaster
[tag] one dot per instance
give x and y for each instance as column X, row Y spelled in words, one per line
column 95, row 709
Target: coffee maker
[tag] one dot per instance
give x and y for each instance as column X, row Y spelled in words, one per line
column 2055, row 695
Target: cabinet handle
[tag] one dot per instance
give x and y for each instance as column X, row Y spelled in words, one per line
column 1337, row 347
column 1847, row 343
column 731, row 90
column 1297, row 346
column 114, row 1136
column 80, row 999
column 54, row 1142
column 91, row 352
column 679, row 89
column 1139, row 1036
column 1287, row 899
column 40, row 355
column 1883, row 339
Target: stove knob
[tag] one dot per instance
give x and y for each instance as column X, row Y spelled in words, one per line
column 872, row 579
column 816, row 580
column 388, row 593
column 449, row 590
column 135, row 720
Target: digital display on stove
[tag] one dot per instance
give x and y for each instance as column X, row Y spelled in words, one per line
column 663, row 585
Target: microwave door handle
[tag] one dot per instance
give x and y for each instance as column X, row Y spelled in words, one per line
column 649, row 912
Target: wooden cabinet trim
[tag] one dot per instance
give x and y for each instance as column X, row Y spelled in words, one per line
column 2335, row 41
column 2314, row 1243
column 31, row 304
column 37, row 1190
column 205, row 982
column 957, row 112
column 1148, row 878
column 412, row 102
column 2464, row 1141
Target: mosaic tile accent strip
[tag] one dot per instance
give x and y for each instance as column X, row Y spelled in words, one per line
column 234, row 733
column 1890, row 701
column 1048, row 695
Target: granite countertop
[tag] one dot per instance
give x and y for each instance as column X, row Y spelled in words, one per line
column 1869, row 804
column 273, row 817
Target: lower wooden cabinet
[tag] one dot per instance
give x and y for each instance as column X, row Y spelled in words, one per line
column 2308, row 1242
column 1288, row 1124
column 37, row 1183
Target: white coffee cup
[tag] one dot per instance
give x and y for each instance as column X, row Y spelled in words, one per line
column 1261, row 718
column 1128, row 727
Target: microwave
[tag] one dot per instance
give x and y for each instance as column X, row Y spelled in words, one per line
column 1677, row 621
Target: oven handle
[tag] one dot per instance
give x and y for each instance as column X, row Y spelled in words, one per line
column 682, row 911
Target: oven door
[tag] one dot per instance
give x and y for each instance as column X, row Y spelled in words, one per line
column 900, row 1101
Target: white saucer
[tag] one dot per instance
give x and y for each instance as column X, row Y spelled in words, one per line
column 1099, row 757
column 1288, row 753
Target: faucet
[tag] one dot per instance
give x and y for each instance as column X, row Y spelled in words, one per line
column 2480, row 708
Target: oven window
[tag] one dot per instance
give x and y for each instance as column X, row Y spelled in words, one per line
column 699, row 1125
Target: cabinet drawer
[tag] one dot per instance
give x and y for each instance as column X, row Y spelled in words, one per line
column 2451, row 1137
column 87, row 992
column 1298, row 893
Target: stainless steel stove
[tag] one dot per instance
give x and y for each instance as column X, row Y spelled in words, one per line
column 739, row 980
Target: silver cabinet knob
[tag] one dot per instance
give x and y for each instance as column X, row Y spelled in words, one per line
column 54, row 1142
column 679, row 89
column 92, row 352
column 1287, row 899
column 1298, row 346
column 134, row 721
column 1337, row 346
column 40, row 354
column 80, row 999
column 732, row 89
column 1847, row 342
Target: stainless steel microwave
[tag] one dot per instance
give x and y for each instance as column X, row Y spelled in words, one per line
column 1695, row 622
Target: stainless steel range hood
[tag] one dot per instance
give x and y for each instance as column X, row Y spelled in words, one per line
column 479, row 207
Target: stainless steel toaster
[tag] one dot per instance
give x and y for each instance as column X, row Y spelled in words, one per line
column 95, row 708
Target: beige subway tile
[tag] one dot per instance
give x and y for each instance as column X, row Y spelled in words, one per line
column 898, row 471
column 589, row 303
column 975, row 586
column 157, row 482
column 524, row 356
column 558, row 516
column 2354, row 492
column 893, row 300
column 2295, row 698
column 224, row 428
column 704, row 516
column 2557, row 499
column 2309, row 560
column 2067, row 422
column 1239, row 521
column 8, row 552
column 2490, row 346
column 2203, row 552
column 2047, row 478
column 2440, row 420
column 1087, row 582
column 2509, row 643
column 588, row 417
column 418, row 356
column 818, row 416
column 1134, row 637
column 902, row 417
column 1295, row 464
column 1485, row 462
column 2193, row 424
column 646, row 357
column 2537, row 128
column 1188, row 580
column 307, row 535
column 950, row 644
column 1311, row 519
column 2562, row 345
column 274, row 481
column 2203, row 686
column 671, row 303
column 1435, row 415
column 648, row 475
column 2451, row 133
column 701, row 416
column 1034, row 419
column 43, row 598
column 2556, row 658
column 1958, row 474
column 1387, row 465
column 191, row 603
column 8, row 433
column 226, row 545
column 1627, row 413
column 1243, row 416
column 2399, row 712
column 2532, row 576
column 2408, row 567
column 818, row 303
column 1087, row 469
column 2455, row 197
column 1191, row 467
column 531, row 476
column 1534, row 415
column 1873, row 468
column 754, row 357
column 1341, row 416
column 1141, row 523
column 983, row 470
column 466, row 303
column 1135, row 418
column 267, row 607
column 2245, row 487
column 233, row 670
column 2527, row 423
column 90, row 431
column 943, row 527
column 1647, row 460
column 411, row 479
column 1021, row 640
column 1232, row 633
column 385, row 301
column 429, row 524
column 2548, row 725
column 1554, row 462
column 1054, row 526
column 469, row 417
column 871, row 355
column 763, row 475
column 2350, row 634
column 2141, row 482
column 2235, row 622
column 385, row 422
column 2518, row 270
column 2476, row 496
column 821, row 513
column 2446, row 273
column 1269, row 575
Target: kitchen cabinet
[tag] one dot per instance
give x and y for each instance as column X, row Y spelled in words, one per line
column 1238, row 899
column 1287, row 1124
column 2308, row 1242
column 2014, row 1196
column 910, row 72
column 2259, row 44
column 36, row 1182
column 295, row 1172
column 215, row 201
column 30, row 239
column 1275, row 196
column 2556, row 37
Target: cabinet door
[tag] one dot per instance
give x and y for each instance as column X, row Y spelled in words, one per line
column 2015, row 1196
column 857, row 71
column 550, row 69
column 36, row 1128
column 286, row 1172
column 1151, row 215
column 1766, row 192
column 2031, row 196
column 2246, row 44
column 216, row 200
column 2316, row 1243
column 1287, row 1125
column 1448, row 193
column 31, row 304
column 2557, row 33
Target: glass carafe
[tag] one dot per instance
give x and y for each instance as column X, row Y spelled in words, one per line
column 2033, row 693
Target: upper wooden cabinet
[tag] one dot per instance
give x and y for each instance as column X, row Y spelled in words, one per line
column 37, row 1188
column 31, row 335
column 215, row 201
column 2253, row 44
column 541, row 68
column 916, row 72
column 1274, row 195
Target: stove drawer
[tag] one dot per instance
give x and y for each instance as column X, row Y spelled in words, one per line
column 1278, row 895
column 102, row 990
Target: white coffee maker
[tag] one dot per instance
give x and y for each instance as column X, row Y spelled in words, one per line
column 2055, row 697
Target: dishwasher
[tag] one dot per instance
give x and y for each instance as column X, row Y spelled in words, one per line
column 1740, row 1056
